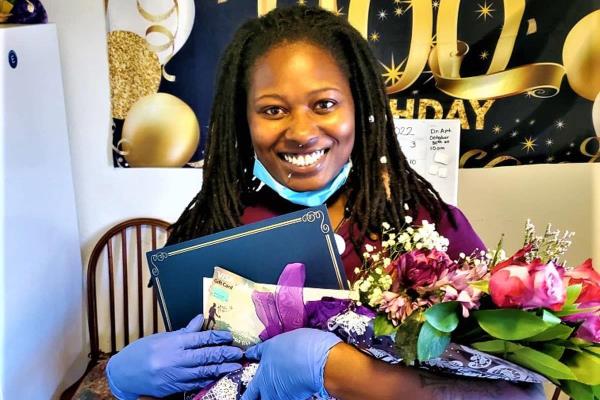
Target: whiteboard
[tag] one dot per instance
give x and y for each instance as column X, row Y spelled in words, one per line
column 431, row 147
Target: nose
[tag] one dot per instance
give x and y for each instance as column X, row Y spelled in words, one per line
column 303, row 130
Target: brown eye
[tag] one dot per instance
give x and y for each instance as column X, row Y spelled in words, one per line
column 273, row 112
column 324, row 105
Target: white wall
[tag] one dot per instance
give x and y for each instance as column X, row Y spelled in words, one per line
column 497, row 200
column 104, row 195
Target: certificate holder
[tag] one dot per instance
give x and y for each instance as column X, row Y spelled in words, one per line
column 257, row 251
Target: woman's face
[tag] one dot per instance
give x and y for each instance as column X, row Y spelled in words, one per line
column 301, row 115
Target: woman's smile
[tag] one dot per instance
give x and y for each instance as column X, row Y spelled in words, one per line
column 304, row 159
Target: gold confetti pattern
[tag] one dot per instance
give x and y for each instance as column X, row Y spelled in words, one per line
column 135, row 71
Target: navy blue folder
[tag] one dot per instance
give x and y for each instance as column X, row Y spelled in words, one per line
column 257, row 251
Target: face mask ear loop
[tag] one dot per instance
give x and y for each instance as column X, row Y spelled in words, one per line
column 254, row 177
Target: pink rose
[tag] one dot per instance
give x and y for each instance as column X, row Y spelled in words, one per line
column 527, row 286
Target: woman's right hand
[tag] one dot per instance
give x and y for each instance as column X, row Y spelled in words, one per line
column 172, row 362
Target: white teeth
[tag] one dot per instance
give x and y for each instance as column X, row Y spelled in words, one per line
column 303, row 160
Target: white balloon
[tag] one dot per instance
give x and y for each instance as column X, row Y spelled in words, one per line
column 596, row 114
column 124, row 15
column 187, row 13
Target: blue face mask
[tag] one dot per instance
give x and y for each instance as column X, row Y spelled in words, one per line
column 309, row 199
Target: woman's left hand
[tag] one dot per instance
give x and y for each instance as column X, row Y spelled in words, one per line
column 291, row 365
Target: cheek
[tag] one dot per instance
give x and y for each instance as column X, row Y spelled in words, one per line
column 341, row 126
column 260, row 137
column 345, row 136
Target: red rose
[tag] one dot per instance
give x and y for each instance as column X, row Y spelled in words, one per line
column 589, row 278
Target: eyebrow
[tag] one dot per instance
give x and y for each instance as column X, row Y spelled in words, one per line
column 312, row 92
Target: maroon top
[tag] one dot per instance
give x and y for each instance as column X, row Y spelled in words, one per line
column 462, row 239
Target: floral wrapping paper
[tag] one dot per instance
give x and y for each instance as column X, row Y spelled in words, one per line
column 357, row 329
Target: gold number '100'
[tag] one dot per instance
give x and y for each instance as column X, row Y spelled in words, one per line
column 445, row 55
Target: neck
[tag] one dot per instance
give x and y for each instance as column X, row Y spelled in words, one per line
column 336, row 210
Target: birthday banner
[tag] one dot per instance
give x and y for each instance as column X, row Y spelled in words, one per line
column 522, row 76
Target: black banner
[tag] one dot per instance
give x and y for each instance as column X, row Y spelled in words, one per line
column 521, row 76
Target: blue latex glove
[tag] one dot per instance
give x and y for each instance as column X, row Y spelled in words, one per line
column 291, row 365
column 171, row 362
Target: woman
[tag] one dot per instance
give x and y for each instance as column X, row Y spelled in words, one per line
column 316, row 128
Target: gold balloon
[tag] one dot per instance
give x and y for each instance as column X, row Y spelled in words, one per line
column 160, row 131
column 134, row 70
column 581, row 56
column 596, row 114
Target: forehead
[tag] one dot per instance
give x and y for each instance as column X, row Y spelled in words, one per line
column 296, row 64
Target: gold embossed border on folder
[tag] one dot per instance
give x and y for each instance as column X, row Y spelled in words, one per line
column 310, row 217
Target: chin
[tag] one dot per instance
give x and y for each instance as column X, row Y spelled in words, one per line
column 307, row 186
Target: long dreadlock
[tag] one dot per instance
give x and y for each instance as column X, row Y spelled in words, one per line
column 376, row 156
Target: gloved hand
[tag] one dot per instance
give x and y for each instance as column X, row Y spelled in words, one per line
column 171, row 362
column 291, row 365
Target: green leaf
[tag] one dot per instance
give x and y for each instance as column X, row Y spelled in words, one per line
column 407, row 336
column 585, row 366
column 594, row 349
column 573, row 292
column 567, row 344
column 560, row 331
column 572, row 310
column 550, row 318
column 510, row 324
column 540, row 362
column 483, row 285
column 596, row 390
column 382, row 326
column 498, row 248
column 553, row 350
column 496, row 346
column 577, row 390
column 580, row 342
column 432, row 342
column 442, row 316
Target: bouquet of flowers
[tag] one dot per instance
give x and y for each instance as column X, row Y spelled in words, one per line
column 484, row 315
column 530, row 309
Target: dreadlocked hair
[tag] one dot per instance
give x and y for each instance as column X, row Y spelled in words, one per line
column 380, row 183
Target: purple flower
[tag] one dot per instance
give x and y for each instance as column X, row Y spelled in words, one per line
column 590, row 329
column 419, row 268
column 590, row 322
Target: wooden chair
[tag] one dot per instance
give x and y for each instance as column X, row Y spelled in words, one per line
column 558, row 394
column 122, row 277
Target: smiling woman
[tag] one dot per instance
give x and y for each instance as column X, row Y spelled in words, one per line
column 301, row 115
column 313, row 100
